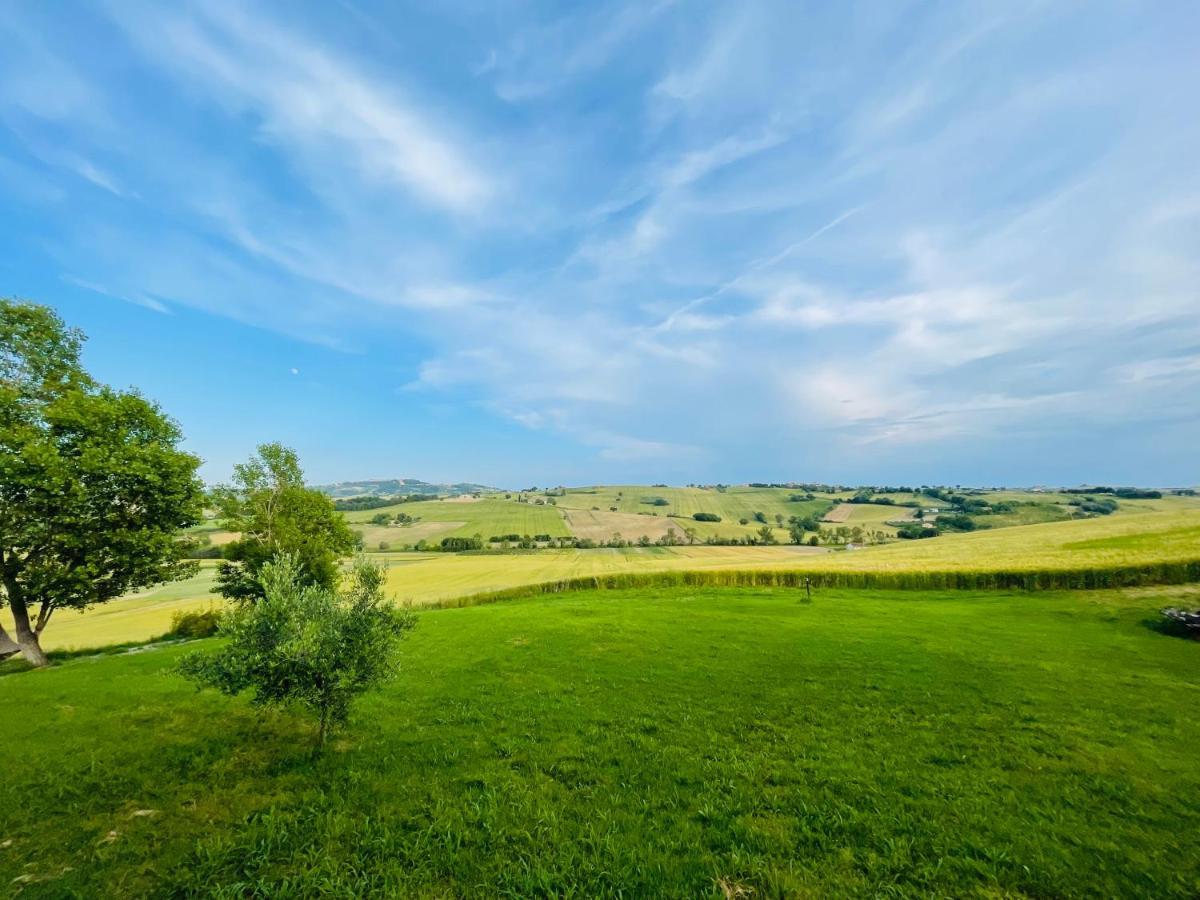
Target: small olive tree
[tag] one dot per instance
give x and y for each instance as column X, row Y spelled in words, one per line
column 304, row 644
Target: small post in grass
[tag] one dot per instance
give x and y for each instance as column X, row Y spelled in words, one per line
column 808, row 589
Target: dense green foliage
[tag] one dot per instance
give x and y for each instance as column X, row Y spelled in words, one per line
column 274, row 513
column 459, row 544
column 94, row 489
column 195, row 623
column 305, row 644
column 355, row 504
column 1102, row 506
column 682, row 743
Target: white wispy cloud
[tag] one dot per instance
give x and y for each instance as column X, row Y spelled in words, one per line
column 771, row 231
column 311, row 101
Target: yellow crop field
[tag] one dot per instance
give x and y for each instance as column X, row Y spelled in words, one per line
column 136, row 617
column 425, row 578
column 1172, row 536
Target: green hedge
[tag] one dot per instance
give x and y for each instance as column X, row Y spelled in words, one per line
column 1027, row 580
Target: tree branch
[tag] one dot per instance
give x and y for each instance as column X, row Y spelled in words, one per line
column 43, row 618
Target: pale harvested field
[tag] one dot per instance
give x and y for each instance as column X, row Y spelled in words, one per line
column 840, row 513
column 600, row 525
column 875, row 515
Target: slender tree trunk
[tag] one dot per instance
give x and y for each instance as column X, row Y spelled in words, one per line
column 27, row 638
column 324, row 729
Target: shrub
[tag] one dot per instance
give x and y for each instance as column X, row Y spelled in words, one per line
column 196, row 624
column 915, row 532
column 706, row 517
column 305, row 644
column 955, row 522
column 1098, row 506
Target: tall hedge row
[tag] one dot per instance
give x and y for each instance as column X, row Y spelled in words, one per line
column 1025, row 579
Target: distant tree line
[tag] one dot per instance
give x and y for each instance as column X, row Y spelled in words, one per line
column 358, row 504
column 1124, row 493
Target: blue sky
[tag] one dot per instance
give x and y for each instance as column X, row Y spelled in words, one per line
column 528, row 243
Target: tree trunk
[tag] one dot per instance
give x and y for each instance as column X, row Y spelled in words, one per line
column 7, row 645
column 27, row 638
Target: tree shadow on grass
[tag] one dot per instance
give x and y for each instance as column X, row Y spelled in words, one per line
column 1169, row 628
column 14, row 665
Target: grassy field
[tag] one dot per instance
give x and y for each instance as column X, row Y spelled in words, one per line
column 720, row 743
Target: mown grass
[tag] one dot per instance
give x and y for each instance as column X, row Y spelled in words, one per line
column 673, row 743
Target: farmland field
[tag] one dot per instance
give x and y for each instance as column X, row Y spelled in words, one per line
column 1109, row 541
column 488, row 516
column 602, row 525
column 438, row 576
column 732, row 504
column 135, row 617
column 1151, row 537
column 840, row 513
column 397, row 535
column 685, row 742
column 598, row 512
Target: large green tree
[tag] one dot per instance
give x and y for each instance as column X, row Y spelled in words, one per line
column 274, row 513
column 93, row 486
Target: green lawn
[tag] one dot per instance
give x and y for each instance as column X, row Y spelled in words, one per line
column 679, row 743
